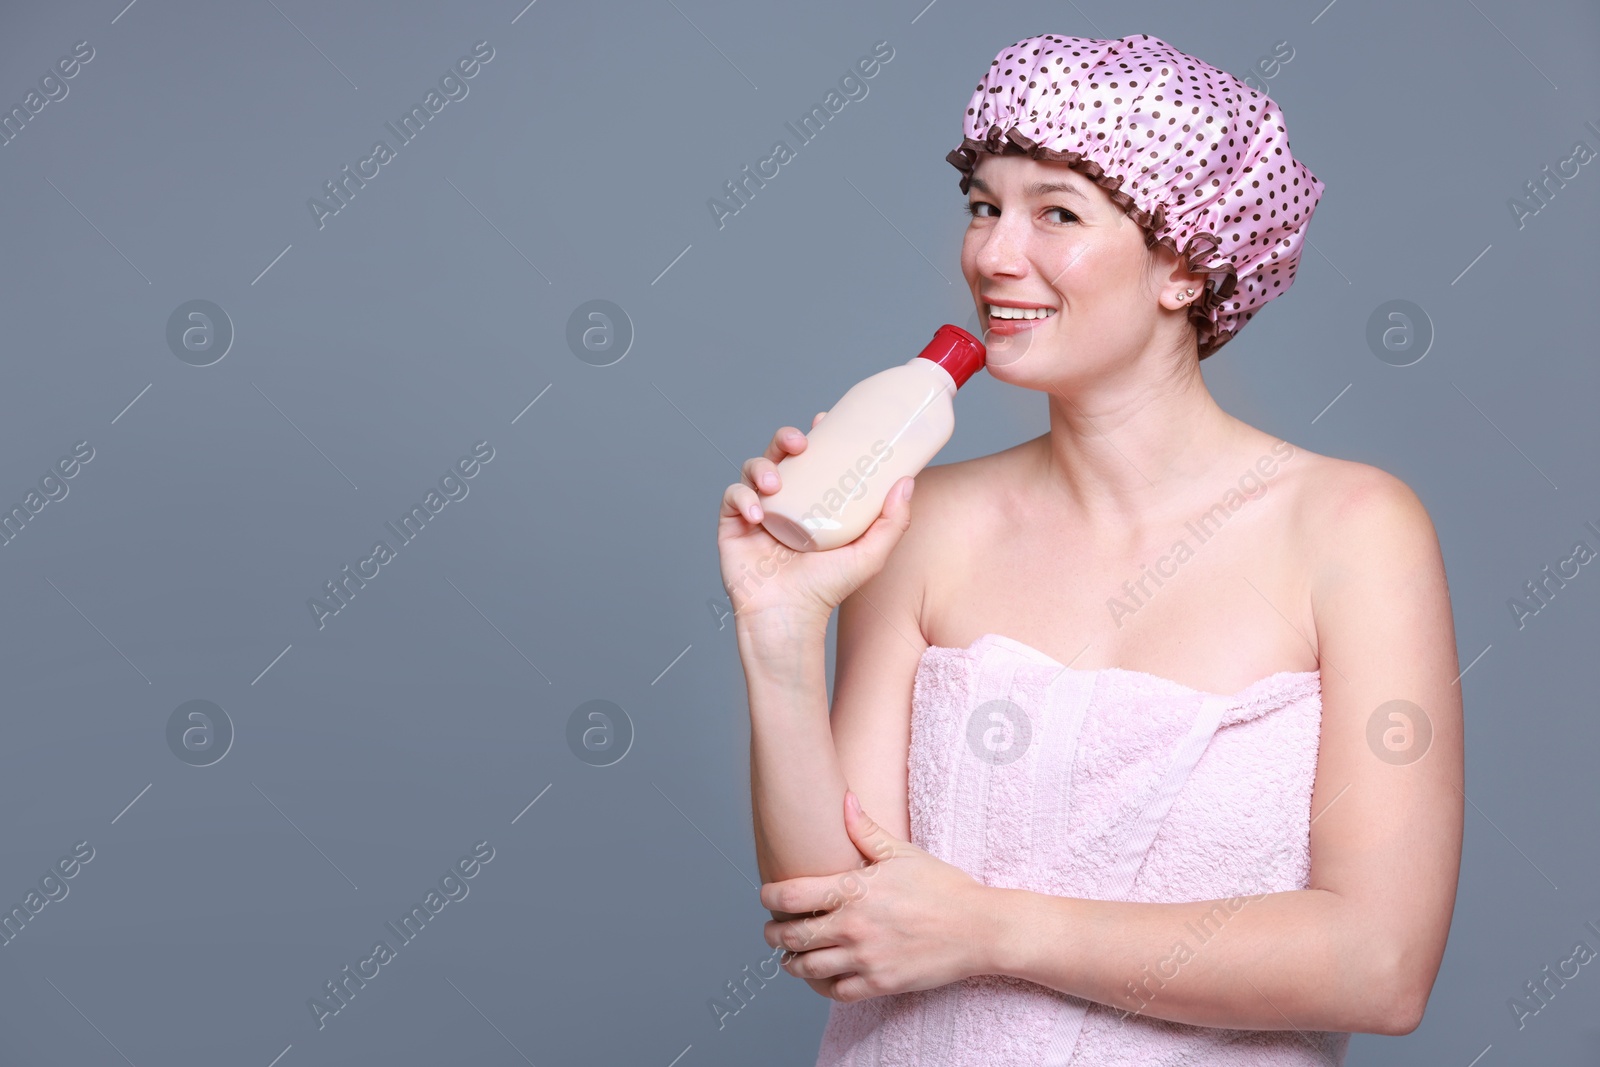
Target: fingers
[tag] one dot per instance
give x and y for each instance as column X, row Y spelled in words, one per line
column 898, row 504
column 762, row 471
column 801, row 935
column 821, row 986
column 811, row 896
column 800, row 896
column 877, row 541
column 892, row 521
column 824, row 963
column 740, row 499
column 786, row 442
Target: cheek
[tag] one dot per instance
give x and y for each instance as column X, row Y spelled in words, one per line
column 1073, row 265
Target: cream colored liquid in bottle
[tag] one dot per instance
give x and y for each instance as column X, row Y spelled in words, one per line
column 886, row 427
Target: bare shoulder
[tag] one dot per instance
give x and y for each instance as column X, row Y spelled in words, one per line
column 954, row 502
column 956, row 509
column 1362, row 532
column 1349, row 512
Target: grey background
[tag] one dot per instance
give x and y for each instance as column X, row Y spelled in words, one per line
column 429, row 312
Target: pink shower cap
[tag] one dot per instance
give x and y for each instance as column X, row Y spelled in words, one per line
column 1196, row 157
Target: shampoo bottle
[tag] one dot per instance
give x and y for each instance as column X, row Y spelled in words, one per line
column 886, row 427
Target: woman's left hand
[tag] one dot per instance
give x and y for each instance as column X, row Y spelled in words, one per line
column 905, row 921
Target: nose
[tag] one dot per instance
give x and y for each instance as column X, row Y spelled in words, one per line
column 1004, row 249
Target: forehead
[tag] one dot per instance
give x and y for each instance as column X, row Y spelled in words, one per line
column 1025, row 176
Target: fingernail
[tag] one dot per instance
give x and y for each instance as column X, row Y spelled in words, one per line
column 909, row 487
column 755, row 512
column 769, row 480
column 852, row 803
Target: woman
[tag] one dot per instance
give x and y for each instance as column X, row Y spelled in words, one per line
column 1146, row 738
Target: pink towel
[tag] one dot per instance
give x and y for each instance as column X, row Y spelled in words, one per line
column 1108, row 785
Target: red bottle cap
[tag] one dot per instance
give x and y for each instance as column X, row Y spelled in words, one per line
column 957, row 351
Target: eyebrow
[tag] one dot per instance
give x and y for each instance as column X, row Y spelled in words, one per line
column 1036, row 189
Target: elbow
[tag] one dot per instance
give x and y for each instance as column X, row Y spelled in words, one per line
column 1401, row 998
column 1406, row 1017
column 1403, row 1024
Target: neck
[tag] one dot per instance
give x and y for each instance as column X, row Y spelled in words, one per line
column 1123, row 448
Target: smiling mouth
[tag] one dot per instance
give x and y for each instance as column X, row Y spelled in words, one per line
column 998, row 312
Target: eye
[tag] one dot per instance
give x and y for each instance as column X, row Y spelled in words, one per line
column 975, row 209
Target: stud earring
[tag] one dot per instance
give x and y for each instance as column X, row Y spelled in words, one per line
column 1187, row 293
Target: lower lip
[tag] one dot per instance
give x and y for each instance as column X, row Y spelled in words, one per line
column 1006, row 327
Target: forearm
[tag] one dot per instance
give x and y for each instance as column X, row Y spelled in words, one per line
column 797, row 786
column 1293, row 960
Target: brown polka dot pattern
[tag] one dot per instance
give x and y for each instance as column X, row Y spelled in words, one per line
column 1197, row 158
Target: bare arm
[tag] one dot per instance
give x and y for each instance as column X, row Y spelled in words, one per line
column 782, row 600
column 802, row 755
column 796, row 783
column 1302, row 960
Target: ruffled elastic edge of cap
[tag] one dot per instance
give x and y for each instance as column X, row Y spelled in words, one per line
column 1219, row 281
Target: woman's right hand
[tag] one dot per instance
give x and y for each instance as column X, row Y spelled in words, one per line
column 762, row 574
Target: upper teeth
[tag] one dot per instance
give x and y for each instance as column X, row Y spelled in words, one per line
column 998, row 312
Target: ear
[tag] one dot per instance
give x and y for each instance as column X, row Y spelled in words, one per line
column 1174, row 285
column 1165, row 276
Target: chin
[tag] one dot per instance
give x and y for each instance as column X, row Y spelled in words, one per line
column 1023, row 359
